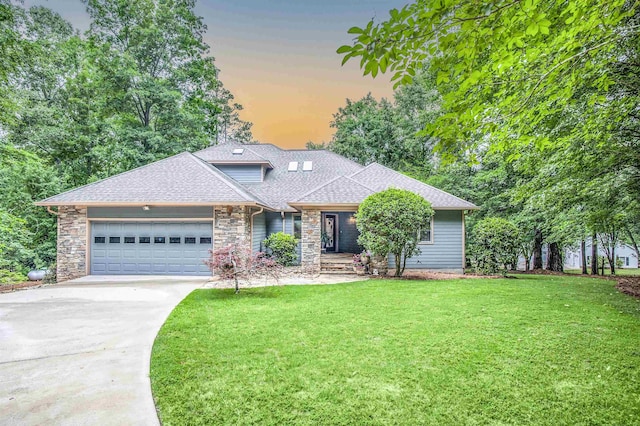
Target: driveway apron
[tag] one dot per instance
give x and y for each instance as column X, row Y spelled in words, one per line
column 78, row 353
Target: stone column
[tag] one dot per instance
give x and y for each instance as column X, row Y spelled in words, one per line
column 311, row 243
column 72, row 243
column 232, row 226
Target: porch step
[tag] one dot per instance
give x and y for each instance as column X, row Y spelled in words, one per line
column 342, row 269
column 338, row 272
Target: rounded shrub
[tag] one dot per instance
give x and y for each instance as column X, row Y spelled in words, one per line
column 494, row 245
column 282, row 247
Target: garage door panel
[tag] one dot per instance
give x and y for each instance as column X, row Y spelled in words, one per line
column 144, row 253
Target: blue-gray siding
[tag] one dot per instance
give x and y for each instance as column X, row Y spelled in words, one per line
column 446, row 250
column 205, row 212
column 242, row 173
column 259, row 232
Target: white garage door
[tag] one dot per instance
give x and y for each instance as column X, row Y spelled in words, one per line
column 150, row 248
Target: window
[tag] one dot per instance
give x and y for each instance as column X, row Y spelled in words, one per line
column 158, row 240
column 238, row 151
column 426, row 235
column 144, row 240
column 114, row 240
column 129, row 240
column 189, row 240
column 297, row 227
column 293, row 166
column 307, row 166
column 626, row 261
column 205, row 240
column 99, row 240
column 174, row 240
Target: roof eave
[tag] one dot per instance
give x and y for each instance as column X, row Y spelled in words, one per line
column 45, row 203
column 238, row 162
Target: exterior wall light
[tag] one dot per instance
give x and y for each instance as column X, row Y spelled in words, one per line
column 145, row 208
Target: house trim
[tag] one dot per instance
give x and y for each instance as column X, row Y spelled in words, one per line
column 140, row 204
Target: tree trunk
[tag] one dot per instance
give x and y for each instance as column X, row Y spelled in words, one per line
column 404, row 264
column 398, row 264
column 612, row 260
column 594, row 254
column 554, row 258
column 634, row 243
column 537, row 250
column 583, row 254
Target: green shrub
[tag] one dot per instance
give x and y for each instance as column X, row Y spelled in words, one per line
column 10, row 277
column 390, row 221
column 495, row 245
column 282, row 247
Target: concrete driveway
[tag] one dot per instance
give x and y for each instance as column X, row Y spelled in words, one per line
column 78, row 353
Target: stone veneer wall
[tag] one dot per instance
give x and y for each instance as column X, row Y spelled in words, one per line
column 310, row 245
column 72, row 243
column 232, row 225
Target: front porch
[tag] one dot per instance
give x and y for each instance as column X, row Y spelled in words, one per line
column 336, row 263
column 329, row 238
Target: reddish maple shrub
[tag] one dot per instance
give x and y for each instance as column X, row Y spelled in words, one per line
column 237, row 262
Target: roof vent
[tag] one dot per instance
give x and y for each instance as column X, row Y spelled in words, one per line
column 307, row 166
column 238, row 151
column 293, row 166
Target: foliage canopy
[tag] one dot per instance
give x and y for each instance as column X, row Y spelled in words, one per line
column 390, row 222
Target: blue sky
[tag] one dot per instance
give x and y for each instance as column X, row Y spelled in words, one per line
column 278, row 58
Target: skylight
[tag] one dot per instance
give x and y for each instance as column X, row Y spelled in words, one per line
column 293, row 166
column 307, row 166
column 238, row 151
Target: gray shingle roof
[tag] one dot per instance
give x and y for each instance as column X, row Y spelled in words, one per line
column 190, row 179
column 281, row 186
column 379, row 178
column 341, row 190
column 223, row 153
column 181, row 179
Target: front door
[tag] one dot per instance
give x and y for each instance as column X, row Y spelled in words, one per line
column 330, row 232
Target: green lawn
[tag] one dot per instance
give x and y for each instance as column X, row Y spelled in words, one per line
column 531, row 350
column 619, row 271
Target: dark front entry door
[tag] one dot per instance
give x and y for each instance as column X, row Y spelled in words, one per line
column 330, row 231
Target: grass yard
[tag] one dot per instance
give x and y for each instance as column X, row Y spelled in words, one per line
column 532, row 350
column 619, row 271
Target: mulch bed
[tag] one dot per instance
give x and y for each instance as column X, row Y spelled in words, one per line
column 8, row 288
column 629, row 285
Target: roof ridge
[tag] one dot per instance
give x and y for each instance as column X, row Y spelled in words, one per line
column 361, row 184
column 222, row 177
column 416, row 180
column 114, row 176
column 319, row 187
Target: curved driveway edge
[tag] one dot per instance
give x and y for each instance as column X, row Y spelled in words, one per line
column 78, row 353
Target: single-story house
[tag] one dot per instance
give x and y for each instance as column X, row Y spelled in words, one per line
column 627, row 255
column 164, row 217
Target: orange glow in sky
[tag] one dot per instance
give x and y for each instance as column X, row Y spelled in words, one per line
column 279, row 60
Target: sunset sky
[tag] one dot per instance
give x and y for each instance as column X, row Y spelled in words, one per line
column 278, row 58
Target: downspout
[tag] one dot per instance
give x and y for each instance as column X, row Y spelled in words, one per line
column 252, row 215
column 283, row 221
column 52, row 211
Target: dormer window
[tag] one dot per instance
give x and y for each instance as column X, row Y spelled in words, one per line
column 238, row 151
column 307, row 166
column 293, row 166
